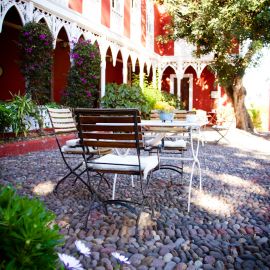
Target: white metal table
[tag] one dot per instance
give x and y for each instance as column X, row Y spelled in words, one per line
column 192, row 128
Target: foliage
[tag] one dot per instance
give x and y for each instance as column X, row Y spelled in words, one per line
column 125, row 96
column 233, row 31
column 28, row 238
column 53, row 105
column 153, row 94
column 36, row 43
column 84, row 75
column 172, row 100
column 5, row 117
column 255, row 114
column 220, row 27
column 22, row 107
column 164, row 107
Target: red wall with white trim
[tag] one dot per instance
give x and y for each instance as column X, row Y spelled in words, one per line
column 11, row 80
column 106, row 12
column 202, row 89
column 161, row 19
column 60, row 70
column 127, row 4
column 114, row 74
column 143, row 21
column 76, row 5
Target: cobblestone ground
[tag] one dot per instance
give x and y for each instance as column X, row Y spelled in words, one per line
column 227, row 228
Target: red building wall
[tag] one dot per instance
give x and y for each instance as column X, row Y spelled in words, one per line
column 76, row 5
column 106, row 12
column 60, row 70
column 143, row 22
column 114, row 74
column 202, row 89
column 127, row 18
column 165, row 82
column 11, row 80
column 161, row 18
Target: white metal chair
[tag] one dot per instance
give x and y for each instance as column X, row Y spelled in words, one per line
column 63, row 122
column 171, row 142
column 224, row 123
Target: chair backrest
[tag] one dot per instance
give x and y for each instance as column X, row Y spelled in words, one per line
column 154, row 115
column 178, row 114
column 62, row 120
column 115, row 128
column 201, row 116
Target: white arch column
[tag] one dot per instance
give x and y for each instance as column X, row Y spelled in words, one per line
column 103, row 49
column 159, row 78
column 125, row 65
column 141, row 75
column 103, row 76
column 154, row 78
column 125, row 72
column 179, row 78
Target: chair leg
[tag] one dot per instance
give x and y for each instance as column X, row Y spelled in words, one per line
column 190, row 185
column 78, row 176
column 222, row 136
column 114, row 185
column 95, row 203
column 132, row 181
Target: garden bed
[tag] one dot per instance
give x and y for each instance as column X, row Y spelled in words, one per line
column 13, row 146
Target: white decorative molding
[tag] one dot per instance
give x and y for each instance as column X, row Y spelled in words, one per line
column 134, row 58
column 92, row 10
column 117, row 17
column 135, row 22
column 63, row 3
column 6, row 5
column 149, row 25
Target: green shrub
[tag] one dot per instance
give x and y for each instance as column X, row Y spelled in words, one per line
column 53, row 105
column 125, row 96
column 28, row 238
column 154, row 95
column 84, row 76
column 5, row 117
column 255, row 114
column 22, row 107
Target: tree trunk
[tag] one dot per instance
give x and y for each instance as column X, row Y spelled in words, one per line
column 243, row 120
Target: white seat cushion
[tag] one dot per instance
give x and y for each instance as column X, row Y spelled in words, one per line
column 72, row 142
column 123, row 163
column 219, row 127
column 175, row 144
column 154, row 141
column 78, row 149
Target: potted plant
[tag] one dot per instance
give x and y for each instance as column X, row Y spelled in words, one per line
column 166, row 111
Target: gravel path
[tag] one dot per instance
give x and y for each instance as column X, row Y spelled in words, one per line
column 227, row 228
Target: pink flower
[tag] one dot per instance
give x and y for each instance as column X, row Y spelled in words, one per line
column 88, row 94
column 83, row 80
column 28, row 50
column 42, row 36
column 75, row 55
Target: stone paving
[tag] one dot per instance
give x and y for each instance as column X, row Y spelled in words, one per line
column 227, row 228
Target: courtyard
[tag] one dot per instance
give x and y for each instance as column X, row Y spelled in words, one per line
column 227, row 226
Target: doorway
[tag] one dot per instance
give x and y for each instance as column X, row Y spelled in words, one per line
column 185, row 93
